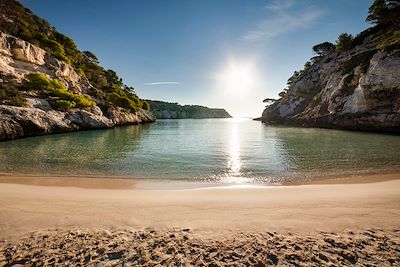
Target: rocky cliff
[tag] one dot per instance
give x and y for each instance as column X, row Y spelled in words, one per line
column 165, row 110
column 48, row 86
column 19, row 58
column 356, row 87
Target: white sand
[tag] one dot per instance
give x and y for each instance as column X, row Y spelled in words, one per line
column 76, row 221
column 304, row 208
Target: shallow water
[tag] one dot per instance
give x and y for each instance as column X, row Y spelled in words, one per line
column 221, row 150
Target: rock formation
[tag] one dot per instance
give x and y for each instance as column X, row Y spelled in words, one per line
column 19, row 58
column 358, row 88
column 48, row 86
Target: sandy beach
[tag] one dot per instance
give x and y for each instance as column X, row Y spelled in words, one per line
column 84, row 222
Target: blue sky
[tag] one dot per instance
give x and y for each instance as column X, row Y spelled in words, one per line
column 219, row 53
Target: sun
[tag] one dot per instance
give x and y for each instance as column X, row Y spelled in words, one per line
column 237, row 77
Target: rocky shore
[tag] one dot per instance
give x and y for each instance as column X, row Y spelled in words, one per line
column 17, row 122
column 371, row 247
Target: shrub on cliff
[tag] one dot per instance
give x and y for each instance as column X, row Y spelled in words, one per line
column 81, row 100
column 12, row 97
column 39, row 81
column 122, row 101
column 390, row 43
column 146, row 105
column 344, row 42
column 63, row 105
column 8, row 93
column 323, row 48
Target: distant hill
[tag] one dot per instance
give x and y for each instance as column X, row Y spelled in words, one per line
column 165, row 110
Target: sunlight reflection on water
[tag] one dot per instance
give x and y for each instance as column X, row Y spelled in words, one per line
column 234, row 162
column 232, row 151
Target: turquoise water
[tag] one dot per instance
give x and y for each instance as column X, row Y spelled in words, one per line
column 221, row 150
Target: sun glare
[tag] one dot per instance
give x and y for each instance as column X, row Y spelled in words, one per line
column 237, row 77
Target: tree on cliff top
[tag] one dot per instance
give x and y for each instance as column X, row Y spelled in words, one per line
column 384, row 12
column 269, row 101
column 323, row 48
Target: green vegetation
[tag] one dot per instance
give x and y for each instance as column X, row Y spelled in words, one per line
column 344, row 42
column 390, row 43
column 186, row 111
column 146, row 105
column 21, row 22
column 386, row 15
column 8, row 94
column 80, row 71
column 323, row 49
column 284, row 93
column 269, row 101
column 384, row 12
column 13, row 98
column 161, row 105
column 124, row 97
column 40, row 82
column 63, row 104
column 349, row 59
column 122, row 101
column 81, row 100
column 386, row 35
column 33, row 29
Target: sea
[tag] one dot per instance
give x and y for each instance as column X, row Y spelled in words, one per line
column 225, row 151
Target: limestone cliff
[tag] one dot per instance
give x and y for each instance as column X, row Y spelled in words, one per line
column 165, row 110
column 48, row 86
column 19, row 58
column 355, row 88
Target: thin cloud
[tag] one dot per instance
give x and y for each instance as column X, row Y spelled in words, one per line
column 279, row 5
column 285, row 20
column 160, row 83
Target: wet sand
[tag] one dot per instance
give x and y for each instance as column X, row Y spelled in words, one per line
column 315, row 224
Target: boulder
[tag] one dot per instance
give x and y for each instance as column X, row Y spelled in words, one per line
column 86, row 120
column 19, row 122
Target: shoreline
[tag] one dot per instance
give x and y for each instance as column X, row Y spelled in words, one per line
column 125, row 182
